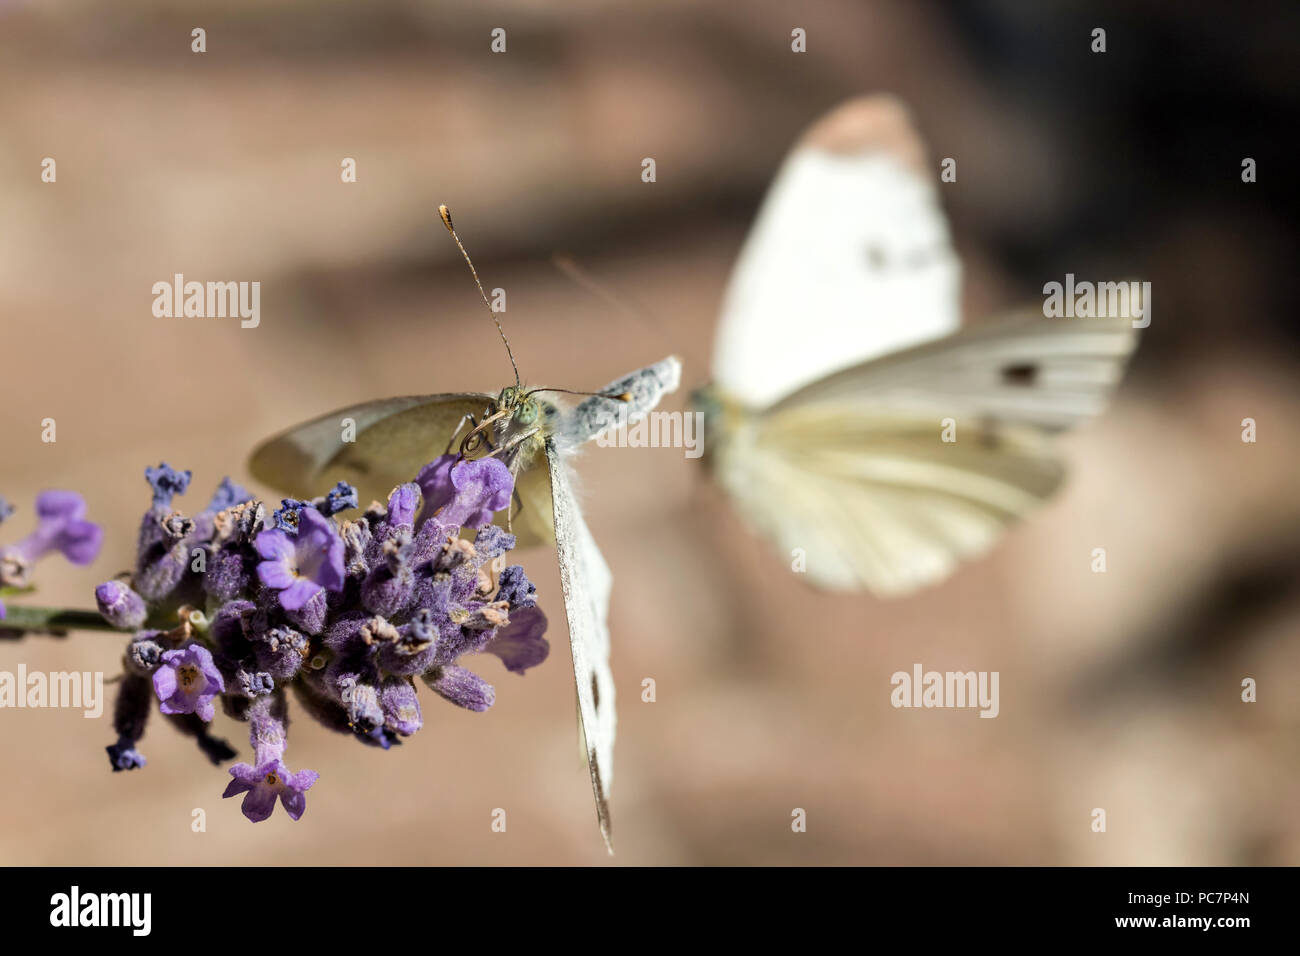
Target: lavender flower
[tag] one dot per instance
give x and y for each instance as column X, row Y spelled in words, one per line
column 270, row 778
column 464, row 493
column 346, row 613
column 300, row 567
column 166, row 483
column 342, row 498
column 263, row 783
column 61, row 527
column 120, row 606
column 187, row 682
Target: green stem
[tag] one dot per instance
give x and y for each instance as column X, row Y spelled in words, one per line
column 52, row 620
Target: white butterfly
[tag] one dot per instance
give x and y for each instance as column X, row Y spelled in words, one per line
column 395, row 437
column 838, row 360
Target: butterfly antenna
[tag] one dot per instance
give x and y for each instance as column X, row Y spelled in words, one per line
column 445, row 213
column 621, row 397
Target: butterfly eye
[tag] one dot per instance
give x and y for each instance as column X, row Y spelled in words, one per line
column 527, row 413
column 507, row 396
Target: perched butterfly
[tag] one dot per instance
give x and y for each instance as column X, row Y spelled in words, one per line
column 534, row 436
column 838, row 365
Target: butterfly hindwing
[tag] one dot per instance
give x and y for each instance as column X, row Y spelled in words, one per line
column 1051, row 373
column 867, row 486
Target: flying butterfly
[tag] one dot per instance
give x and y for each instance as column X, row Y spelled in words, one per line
column 535, row 437
column 839, row 362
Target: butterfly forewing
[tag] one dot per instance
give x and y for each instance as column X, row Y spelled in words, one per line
column 586, row 581
column 850, row 258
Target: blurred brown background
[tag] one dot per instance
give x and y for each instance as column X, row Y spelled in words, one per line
column 1119, row 691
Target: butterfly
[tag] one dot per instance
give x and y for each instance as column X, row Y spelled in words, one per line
column 849, row 416
column 535, row 436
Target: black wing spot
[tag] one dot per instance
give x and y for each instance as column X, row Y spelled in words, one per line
column 876, row 257
column 595, row 692
column 1023, row 374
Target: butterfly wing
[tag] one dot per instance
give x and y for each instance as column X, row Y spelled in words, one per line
column 1049, row 373
column 853, row 469
column 394, row 439
column 586, row 581
column 584, row 576
column 850, row 258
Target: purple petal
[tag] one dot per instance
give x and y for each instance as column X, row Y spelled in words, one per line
column 236, row 786
column 273, row 544
column 319, row 549
column 276, row 574
column 303, row 780
column 80, row 541
column 164, row 681
column 297, row 594
column 434, row 481
column 295, row 804
column 483, row 487
column 259, row 803
column 402, row 504
column 245, row 775
column 464, row 492
column 60, row 504
column 520, row 644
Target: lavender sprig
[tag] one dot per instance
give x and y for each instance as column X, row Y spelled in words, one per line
column 235, row 607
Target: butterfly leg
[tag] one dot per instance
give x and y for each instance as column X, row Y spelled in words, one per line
column 514, row 471
column 467, row 417
column 512, row 443
column 514, row 496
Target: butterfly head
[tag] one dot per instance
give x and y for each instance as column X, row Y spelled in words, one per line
column 723, row 416
column 524, row 410
column 515, row 426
